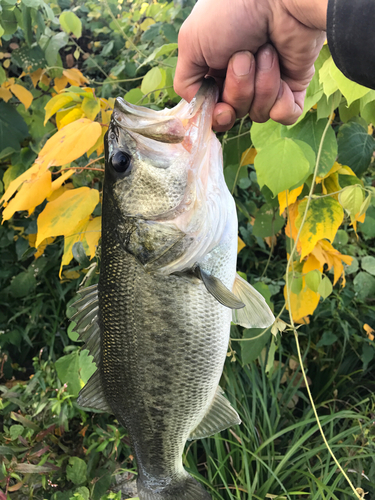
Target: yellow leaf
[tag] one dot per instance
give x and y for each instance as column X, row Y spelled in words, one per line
column 291, row 229
column 248, row 157
column 90, row 107
column 288, row 198
column 331, row 185
column 99, row 145
column 71, row 274
column 324, row 217
column 345, row 170
column 62, row 215
column 60, row 83
column 312, row 263
column 336, row 167
column 57, row 183
column 326, row 254
column 22, row 94
column 58, row 192
column 75, row 77
column 5, row 94
column 76, row 235
column 32, row 193
column 6, row 63
column 71, row 116
column 92, row 235
column 302, row 304
column 35, row 76
column 369, row 331
column 42, row 246
column 146, row 23
column 240, row 245
column 55, row 104
column 30, row 174
column 69, row 143
column 45, row 80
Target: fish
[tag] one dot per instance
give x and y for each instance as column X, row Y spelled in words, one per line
column 158, row 322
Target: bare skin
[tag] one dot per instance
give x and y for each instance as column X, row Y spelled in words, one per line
column 262, row 51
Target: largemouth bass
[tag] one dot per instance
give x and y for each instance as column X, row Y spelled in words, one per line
column 158, row 323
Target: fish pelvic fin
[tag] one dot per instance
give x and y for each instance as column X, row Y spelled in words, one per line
column 183, row 488
column 219, row 417
column 256, row 313
column 218, row 290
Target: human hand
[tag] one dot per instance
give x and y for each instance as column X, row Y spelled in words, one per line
column 262, row 51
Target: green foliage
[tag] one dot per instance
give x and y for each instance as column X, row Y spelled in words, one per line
column 52, row 449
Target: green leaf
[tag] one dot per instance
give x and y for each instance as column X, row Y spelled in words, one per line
column 3, row 75
column 70, row 23
column 325, row 287
column 281, row 165
column 134, row 96
column 87, row 366
column 71, row 333
column 313, row 280
column 329, row 83
column 296, row 283
column 355, row 147
column 267, row 222
column 326, row 105
column 310, row 131
column 15, row 431
column 13, row 128
column 263, row 134
column 67, row 368
column 54, row 44
column 29, row 59
column 251, row 349
column 351, row 199
column 353, row 268
column 328, row 338
column 350, row 90
column 264, row 290
column 23, row 284
column 76, row 471
column 364, row 285
column 83, row 492
column 8, row 20
column 368, row 264
column 152, row 80
column 368, row 353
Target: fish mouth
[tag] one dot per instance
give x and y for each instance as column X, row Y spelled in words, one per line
column 178, row 125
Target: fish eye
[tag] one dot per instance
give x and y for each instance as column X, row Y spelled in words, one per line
column 121, row 162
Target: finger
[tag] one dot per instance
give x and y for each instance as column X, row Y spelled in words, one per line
column 288, row 106
column 239, row 82
column 223, row 117
column 267, row 83
column 191, row 66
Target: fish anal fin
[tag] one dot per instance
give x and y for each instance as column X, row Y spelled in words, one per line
column 256, row 313
column 92, row 395
column 221, row 293
column 219, row 417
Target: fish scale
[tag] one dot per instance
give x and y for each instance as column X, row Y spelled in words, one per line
column 168, row 356
column 168, row 289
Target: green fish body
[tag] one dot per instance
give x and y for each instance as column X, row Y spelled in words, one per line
column 158, row 324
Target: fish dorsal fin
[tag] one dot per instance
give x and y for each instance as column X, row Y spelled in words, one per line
column 219, row 416
column 220, row 291
column 92, row 395
column 256, row 313
column 86, row 317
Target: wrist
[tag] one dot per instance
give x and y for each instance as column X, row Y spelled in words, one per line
column 311, row 13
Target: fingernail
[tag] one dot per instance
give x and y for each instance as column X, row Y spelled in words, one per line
column 224, row 118
column 281, row 90
column 265, row 59
column 242, row 63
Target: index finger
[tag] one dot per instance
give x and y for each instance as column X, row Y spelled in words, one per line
column 191, row 66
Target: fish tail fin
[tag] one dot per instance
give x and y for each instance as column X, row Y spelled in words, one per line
column 185, row 488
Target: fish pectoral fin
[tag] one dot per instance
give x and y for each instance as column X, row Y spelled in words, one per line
column 256, row 313
column 219, row 417
column 153, row 244
column 86, row 317
column 220, row 291
column 92, row 395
